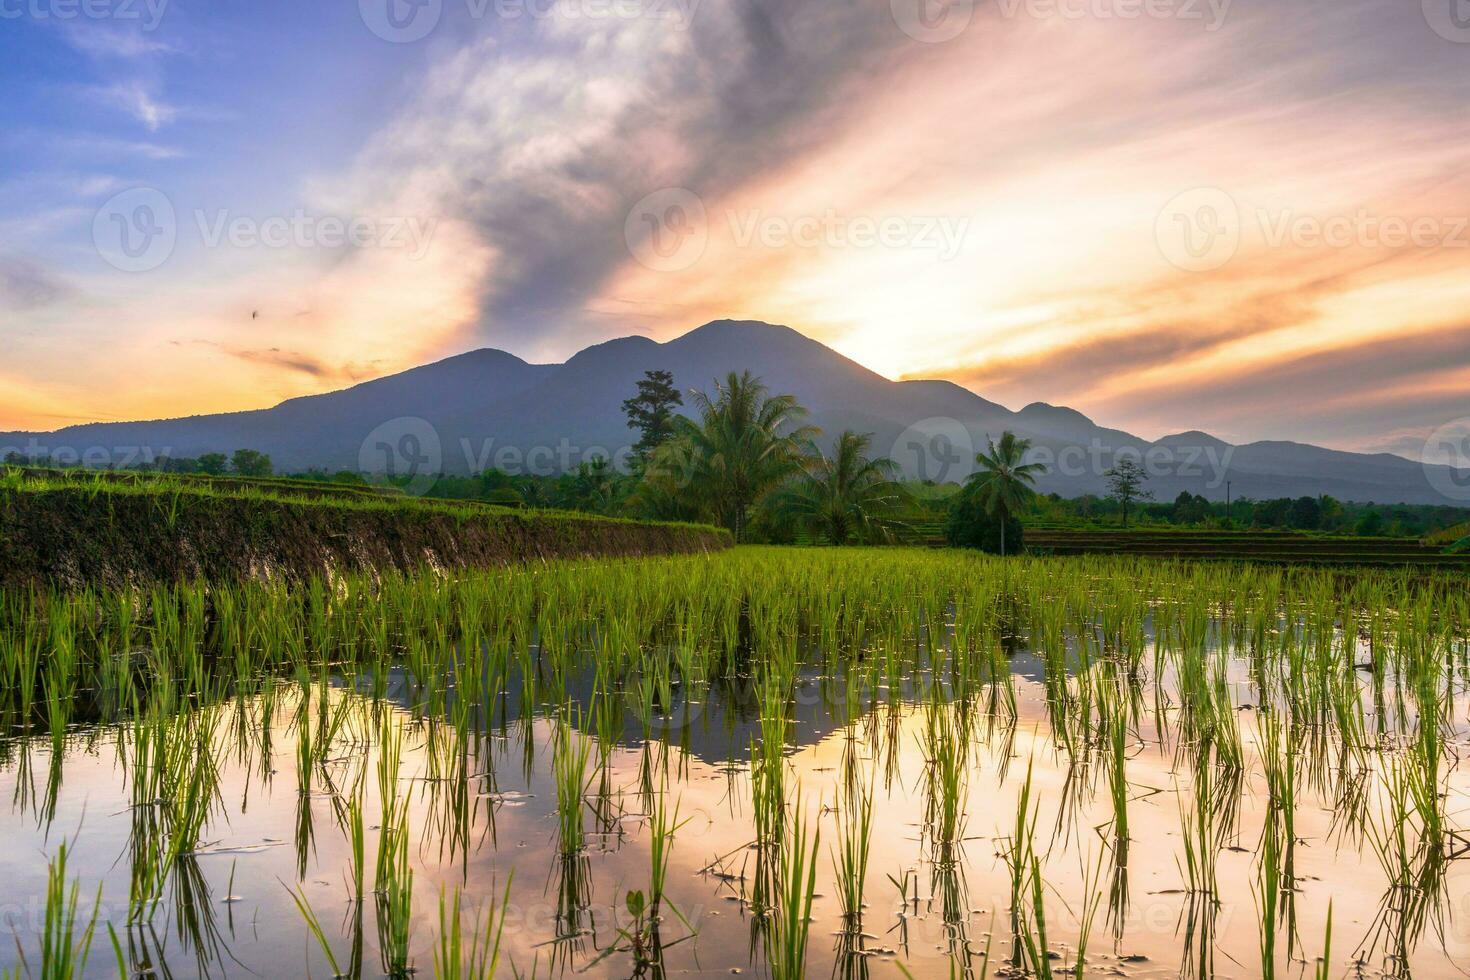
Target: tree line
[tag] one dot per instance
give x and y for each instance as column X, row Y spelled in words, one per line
column 747, row 459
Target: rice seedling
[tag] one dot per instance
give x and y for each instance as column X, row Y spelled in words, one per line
column 314, row 927
column 476, row 956
column 1117, row 770
column 796, row 877
column 642, row 936
column 1323, row 968
column 850, row 857
column 395, row 901
column 1090, row 901
column 356, row 839
column 1200, row 836
column 1267, row 890
column 1352, row 688
column 1030, row 950
column 1033, row 942
column 66, row 941
column 768, row 768
column 662, row 827
column 391, row 805
column 947, row 765
column 569, row 767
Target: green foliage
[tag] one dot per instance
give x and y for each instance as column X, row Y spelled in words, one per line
column 846, row 495
column 213, row 464
column 249, row 462
column 652, row 412
column 1003, row 483
column 1125, row 483
column 1190, row 508
column 774, row 525
column 970, row 524
column 1306, row 513
column 1323, row 514
column 1451, row 536
column 746, row 444
column 472, row 957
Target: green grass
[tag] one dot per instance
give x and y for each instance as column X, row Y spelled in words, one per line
column 170, row 491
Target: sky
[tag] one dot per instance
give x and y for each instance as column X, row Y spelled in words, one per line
column 1250, row 217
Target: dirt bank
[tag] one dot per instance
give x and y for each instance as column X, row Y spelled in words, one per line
column 73, row 537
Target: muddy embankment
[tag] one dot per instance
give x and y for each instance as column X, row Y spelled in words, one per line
column 74, row 537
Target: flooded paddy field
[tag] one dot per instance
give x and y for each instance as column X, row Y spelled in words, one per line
column 771, row 762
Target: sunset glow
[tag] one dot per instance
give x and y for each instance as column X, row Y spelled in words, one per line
column 1018, row 179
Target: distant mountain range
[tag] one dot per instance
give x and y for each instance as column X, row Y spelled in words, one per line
column 489, row 407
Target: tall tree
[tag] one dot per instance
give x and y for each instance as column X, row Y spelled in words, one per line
column 250, row 462
column 1306, row 513
column 848, row 492
column 212, row 464
column 745, row 444
column 1125, row 483
column 1003, row 484
column 651, row 412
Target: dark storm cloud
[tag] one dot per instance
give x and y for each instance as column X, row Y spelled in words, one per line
column 548, row 174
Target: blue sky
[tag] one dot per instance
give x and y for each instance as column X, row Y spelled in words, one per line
column 221, row 101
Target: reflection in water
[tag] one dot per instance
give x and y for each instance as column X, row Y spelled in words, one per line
column 963, row 774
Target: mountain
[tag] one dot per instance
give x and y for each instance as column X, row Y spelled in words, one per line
column 488, row 407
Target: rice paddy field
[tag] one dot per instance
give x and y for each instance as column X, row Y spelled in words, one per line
column 774, row 762
column 1252, row 546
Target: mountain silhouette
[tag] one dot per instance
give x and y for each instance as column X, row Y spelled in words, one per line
column 488, row 407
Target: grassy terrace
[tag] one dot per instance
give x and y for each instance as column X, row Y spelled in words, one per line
column 160, row 482
column 70, row 529
column 1281, row 547
column 1263, row 546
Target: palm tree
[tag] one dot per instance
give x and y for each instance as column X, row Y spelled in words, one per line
column 746, row 443
column 847, row 492
column 1003, row 482
column 534, row 492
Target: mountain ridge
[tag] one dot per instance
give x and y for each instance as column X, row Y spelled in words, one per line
column 464, row 409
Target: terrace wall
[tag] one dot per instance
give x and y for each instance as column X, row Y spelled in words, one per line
column 73, row 537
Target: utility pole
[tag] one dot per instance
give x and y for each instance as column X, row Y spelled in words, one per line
column 1229, row 518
